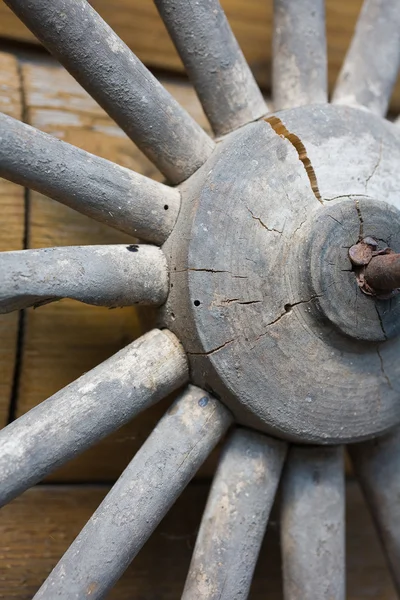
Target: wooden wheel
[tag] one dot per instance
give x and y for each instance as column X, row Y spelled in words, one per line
column 272, row 257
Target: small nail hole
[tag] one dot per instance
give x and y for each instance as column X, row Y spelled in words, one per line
column 166, row 207
column 196, row 302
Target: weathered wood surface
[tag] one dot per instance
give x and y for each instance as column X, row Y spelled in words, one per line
column 214, row 62
column 299, row 62
column 312, row 524
column 371, row 67
column 376, row 465
column 235, row 518
column 37, row 528
column 142, row 496
column 89, row 409
column 255, row 337
column 139, row 25
column 92, row 52
column 97, row 188
column 115, row 275
column 64, row 339
column 11, row 231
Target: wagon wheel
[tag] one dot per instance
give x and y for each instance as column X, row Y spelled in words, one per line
column 273, row 261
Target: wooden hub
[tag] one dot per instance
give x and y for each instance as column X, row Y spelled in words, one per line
column 332, row 278
column 263, row 293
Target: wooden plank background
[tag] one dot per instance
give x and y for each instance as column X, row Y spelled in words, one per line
column 138, row 24
column 37, row 528
column 61, row 341
column 12, row 228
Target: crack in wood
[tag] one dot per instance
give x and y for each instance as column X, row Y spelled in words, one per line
column 287, row 310
column 376, row 165
column 360, row 218
column 298, row 145
column 262, row 223
column 227, row 301
column 348, row 196
column 336, row 220
column 299, row 227
column 385, row 375
column 203, row 270
column 213, row 350
column 380, row 321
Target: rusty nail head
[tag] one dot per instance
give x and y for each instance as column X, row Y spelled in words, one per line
column 360, row 255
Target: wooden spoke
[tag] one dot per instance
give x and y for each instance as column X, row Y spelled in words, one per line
column 235, row 518
column 299, row 64
column 377, row 466
column 90, row 50
column 88, row 409
column 91, row 185
column 101, row 275
column 312, row 524
column 370, row 68
column 138, row 501
column 212, row 57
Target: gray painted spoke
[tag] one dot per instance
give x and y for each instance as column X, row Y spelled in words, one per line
column 88, row 409
column 214, row 61
column 235, row 518
column 312, row 524
column 91, row 185
column 299, row 65
column 370, row 68
column 102, row 275
column 139, row 500
column 377, row 466
column 90, row 50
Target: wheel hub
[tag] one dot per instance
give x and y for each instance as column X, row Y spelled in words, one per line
column 264, row 297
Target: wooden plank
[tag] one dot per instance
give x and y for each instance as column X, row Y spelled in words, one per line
column 65, row 339
column 139, row 25
column 37, row 528
column 11, row 231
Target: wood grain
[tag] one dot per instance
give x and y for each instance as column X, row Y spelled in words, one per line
column 140, row 26
column 11, row 230
column 65, row 339
column 37, row 528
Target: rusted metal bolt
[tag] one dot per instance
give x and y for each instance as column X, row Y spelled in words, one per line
column 377, row 271
column 383, row 272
